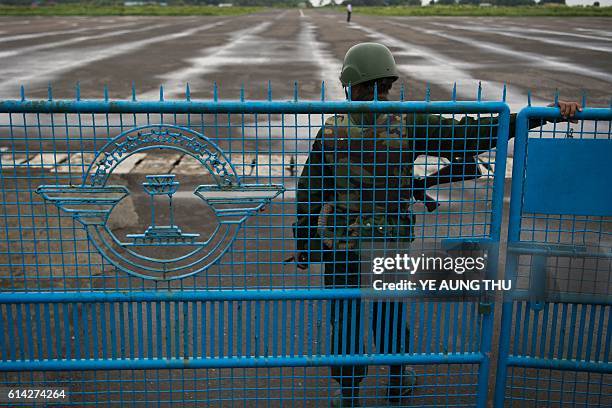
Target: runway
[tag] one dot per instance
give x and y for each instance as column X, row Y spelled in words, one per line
column 529, row 54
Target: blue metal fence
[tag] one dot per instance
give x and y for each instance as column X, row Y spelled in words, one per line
column 143, row 248
column 556, row 334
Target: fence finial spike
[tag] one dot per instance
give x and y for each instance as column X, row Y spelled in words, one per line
column 479, row 96
column 49, row 92
column 22, row 93
column 427, row 93
column 349, row 93
column 242, row 92
column 322, row 90
column 215, row 92
column 376, row 91
column 269, row 91
column 402, row 92
column 528, row 98
column 504, row 92
column 454, row 98
column 295, row 91
column 77, row 91
column 187, row 92
column 133, row 91
column 105, row 93
column 556, row 96
column 584, row 98
column 161, row 93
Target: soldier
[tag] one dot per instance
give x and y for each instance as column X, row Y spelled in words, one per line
column 354, row 187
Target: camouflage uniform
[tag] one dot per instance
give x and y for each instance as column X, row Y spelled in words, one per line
column 359, row 174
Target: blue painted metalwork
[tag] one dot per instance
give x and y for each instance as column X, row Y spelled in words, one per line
column 554, row 326
column 144, row 243
column 589, row 195
column 251, row 107
column 160, row 185
column 92, row 206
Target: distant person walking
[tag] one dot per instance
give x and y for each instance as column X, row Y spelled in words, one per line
column 349, row 10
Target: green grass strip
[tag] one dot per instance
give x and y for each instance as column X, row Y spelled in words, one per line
column 90, row 10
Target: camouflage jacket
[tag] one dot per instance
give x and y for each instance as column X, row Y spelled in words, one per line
column 359, row 174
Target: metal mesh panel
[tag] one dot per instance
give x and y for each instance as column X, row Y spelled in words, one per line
column 558, row 388
column 44, row 248
column 147, row 244
column 579, row 262
column 555, row 341
column 440, row 385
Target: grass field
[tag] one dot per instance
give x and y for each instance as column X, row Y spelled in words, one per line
column 90, row 10
column 535, row 11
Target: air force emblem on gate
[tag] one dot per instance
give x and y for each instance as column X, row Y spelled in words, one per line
column 161, row 252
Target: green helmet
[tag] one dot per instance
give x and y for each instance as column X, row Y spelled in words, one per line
column 367, row 61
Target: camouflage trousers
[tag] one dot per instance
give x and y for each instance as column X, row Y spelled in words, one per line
column 342, row 270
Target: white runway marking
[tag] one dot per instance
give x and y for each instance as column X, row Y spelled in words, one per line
column 28, row 71
column 598, row 33
column 247, row 48
column 47, row 160
column 438, row 69
column 244, row 48
column 302, row 128
column 329, row 66
column 39, row 47
column 11, row 23
column 8, row 160
column 246, row 164
column 538, row 60
column 511, row 34
column 301, row 13
column 153, row 164
column 46, row 34
column 129, row 163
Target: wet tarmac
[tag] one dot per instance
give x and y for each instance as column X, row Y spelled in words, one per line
column 529, row 54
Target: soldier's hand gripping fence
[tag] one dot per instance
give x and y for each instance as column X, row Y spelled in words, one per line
column 142, row 248
column 556, row 334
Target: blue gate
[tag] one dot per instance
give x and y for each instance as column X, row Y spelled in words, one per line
column 556, row 334
column 143, row 250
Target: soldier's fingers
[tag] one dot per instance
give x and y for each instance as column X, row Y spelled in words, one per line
column 563, row 107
